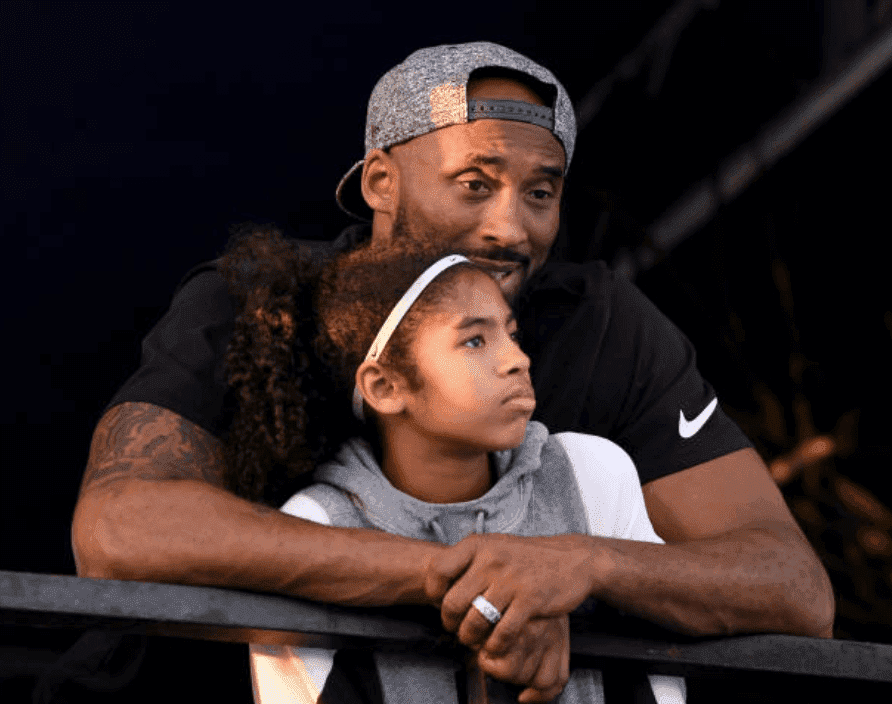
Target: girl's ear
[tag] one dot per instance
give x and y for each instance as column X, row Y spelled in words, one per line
column 382, row 389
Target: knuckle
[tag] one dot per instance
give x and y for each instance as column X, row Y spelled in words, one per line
column 511, row 632
column 468, row 635
column 462, row 634
column 432, row 587
column 498, row 668
column 450, row 605
column 544, row 680
column 496, row 649
column 505, row 637
column 450, row 622
column 530, row 671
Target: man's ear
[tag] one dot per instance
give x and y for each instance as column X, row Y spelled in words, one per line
column 380, row 182
column 382, row 389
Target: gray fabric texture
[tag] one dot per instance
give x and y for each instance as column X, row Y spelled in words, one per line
column 402, row 107
column 536, row 494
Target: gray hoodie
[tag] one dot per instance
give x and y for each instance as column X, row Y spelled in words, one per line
column 540, row 491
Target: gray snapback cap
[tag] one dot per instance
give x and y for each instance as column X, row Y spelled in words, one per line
column 429, row 91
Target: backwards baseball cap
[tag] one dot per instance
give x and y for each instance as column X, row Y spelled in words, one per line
column 429, row 91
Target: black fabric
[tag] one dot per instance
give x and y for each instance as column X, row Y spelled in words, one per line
column 182, row 366
column 605, row 361
column 353, row 680
column 626, row 683
column 99, row 662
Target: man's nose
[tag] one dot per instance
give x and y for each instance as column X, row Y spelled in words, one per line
column 503, row 225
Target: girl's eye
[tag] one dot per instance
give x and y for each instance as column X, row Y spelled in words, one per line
column 517, row 336
column 476, row 338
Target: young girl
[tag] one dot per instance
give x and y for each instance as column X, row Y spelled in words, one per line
column 429, row 387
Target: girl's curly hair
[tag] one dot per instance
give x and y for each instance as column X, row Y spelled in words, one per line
column 303, row 325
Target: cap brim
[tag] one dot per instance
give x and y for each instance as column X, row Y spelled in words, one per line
column 349, row 194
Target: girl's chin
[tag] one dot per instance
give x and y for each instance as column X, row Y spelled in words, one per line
column 512, row 440
column 496, row 437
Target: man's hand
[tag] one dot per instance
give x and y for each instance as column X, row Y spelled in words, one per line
column 539, row 659
column 734, row 561
column 524, row 578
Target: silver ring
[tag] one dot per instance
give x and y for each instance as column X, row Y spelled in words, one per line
column 490, row 612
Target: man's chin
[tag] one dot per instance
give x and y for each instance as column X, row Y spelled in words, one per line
column 513, row 286
column 512, row 283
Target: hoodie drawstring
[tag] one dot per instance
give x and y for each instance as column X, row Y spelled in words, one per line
column 438, row 529
column 441, row 534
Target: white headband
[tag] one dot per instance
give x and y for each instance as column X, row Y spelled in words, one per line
column 397, row 314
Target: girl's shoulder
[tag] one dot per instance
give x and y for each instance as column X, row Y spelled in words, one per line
column 598, row 455
column 609, row 487
column 306, row 505
column 325, row 504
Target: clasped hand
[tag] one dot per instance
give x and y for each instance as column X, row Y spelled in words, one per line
column 534, row 583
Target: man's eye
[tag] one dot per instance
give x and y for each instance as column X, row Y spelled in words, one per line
column 475, row 185
column 541, row 194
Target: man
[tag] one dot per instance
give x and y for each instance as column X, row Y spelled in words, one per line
column 472, row 141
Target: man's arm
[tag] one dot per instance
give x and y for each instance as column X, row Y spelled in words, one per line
column 152, row 507
column 734, row 562
column 746, row 563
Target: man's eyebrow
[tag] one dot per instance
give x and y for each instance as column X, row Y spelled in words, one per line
column 553, row 171
column 494, row 160
column 468, row 322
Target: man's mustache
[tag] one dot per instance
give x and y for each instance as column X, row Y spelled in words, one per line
column 498, row 254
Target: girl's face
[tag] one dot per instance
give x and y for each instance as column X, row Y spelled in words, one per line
column 476, row 392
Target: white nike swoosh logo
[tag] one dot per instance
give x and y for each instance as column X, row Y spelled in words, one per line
column 688, row 428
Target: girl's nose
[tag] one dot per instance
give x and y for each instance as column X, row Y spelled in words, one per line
column 516, row 361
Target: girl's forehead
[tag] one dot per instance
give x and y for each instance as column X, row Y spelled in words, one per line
column 474, row 293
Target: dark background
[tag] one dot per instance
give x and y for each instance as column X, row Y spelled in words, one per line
column 135, row 133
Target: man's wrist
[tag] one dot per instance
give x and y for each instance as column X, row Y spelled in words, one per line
column 432, row 596
column 597, row 562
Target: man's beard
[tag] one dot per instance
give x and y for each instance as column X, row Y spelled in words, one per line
column 422, row 230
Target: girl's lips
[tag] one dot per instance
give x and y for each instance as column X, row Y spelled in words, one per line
column 521, row 397
column 523, row 403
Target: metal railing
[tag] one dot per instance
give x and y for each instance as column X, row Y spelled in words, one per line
column 59, row 601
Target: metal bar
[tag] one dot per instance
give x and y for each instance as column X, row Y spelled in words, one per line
column 735, row 173
column 56, row 601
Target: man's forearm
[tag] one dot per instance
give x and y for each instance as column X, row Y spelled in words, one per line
column 189, row 532
column 746, row 581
